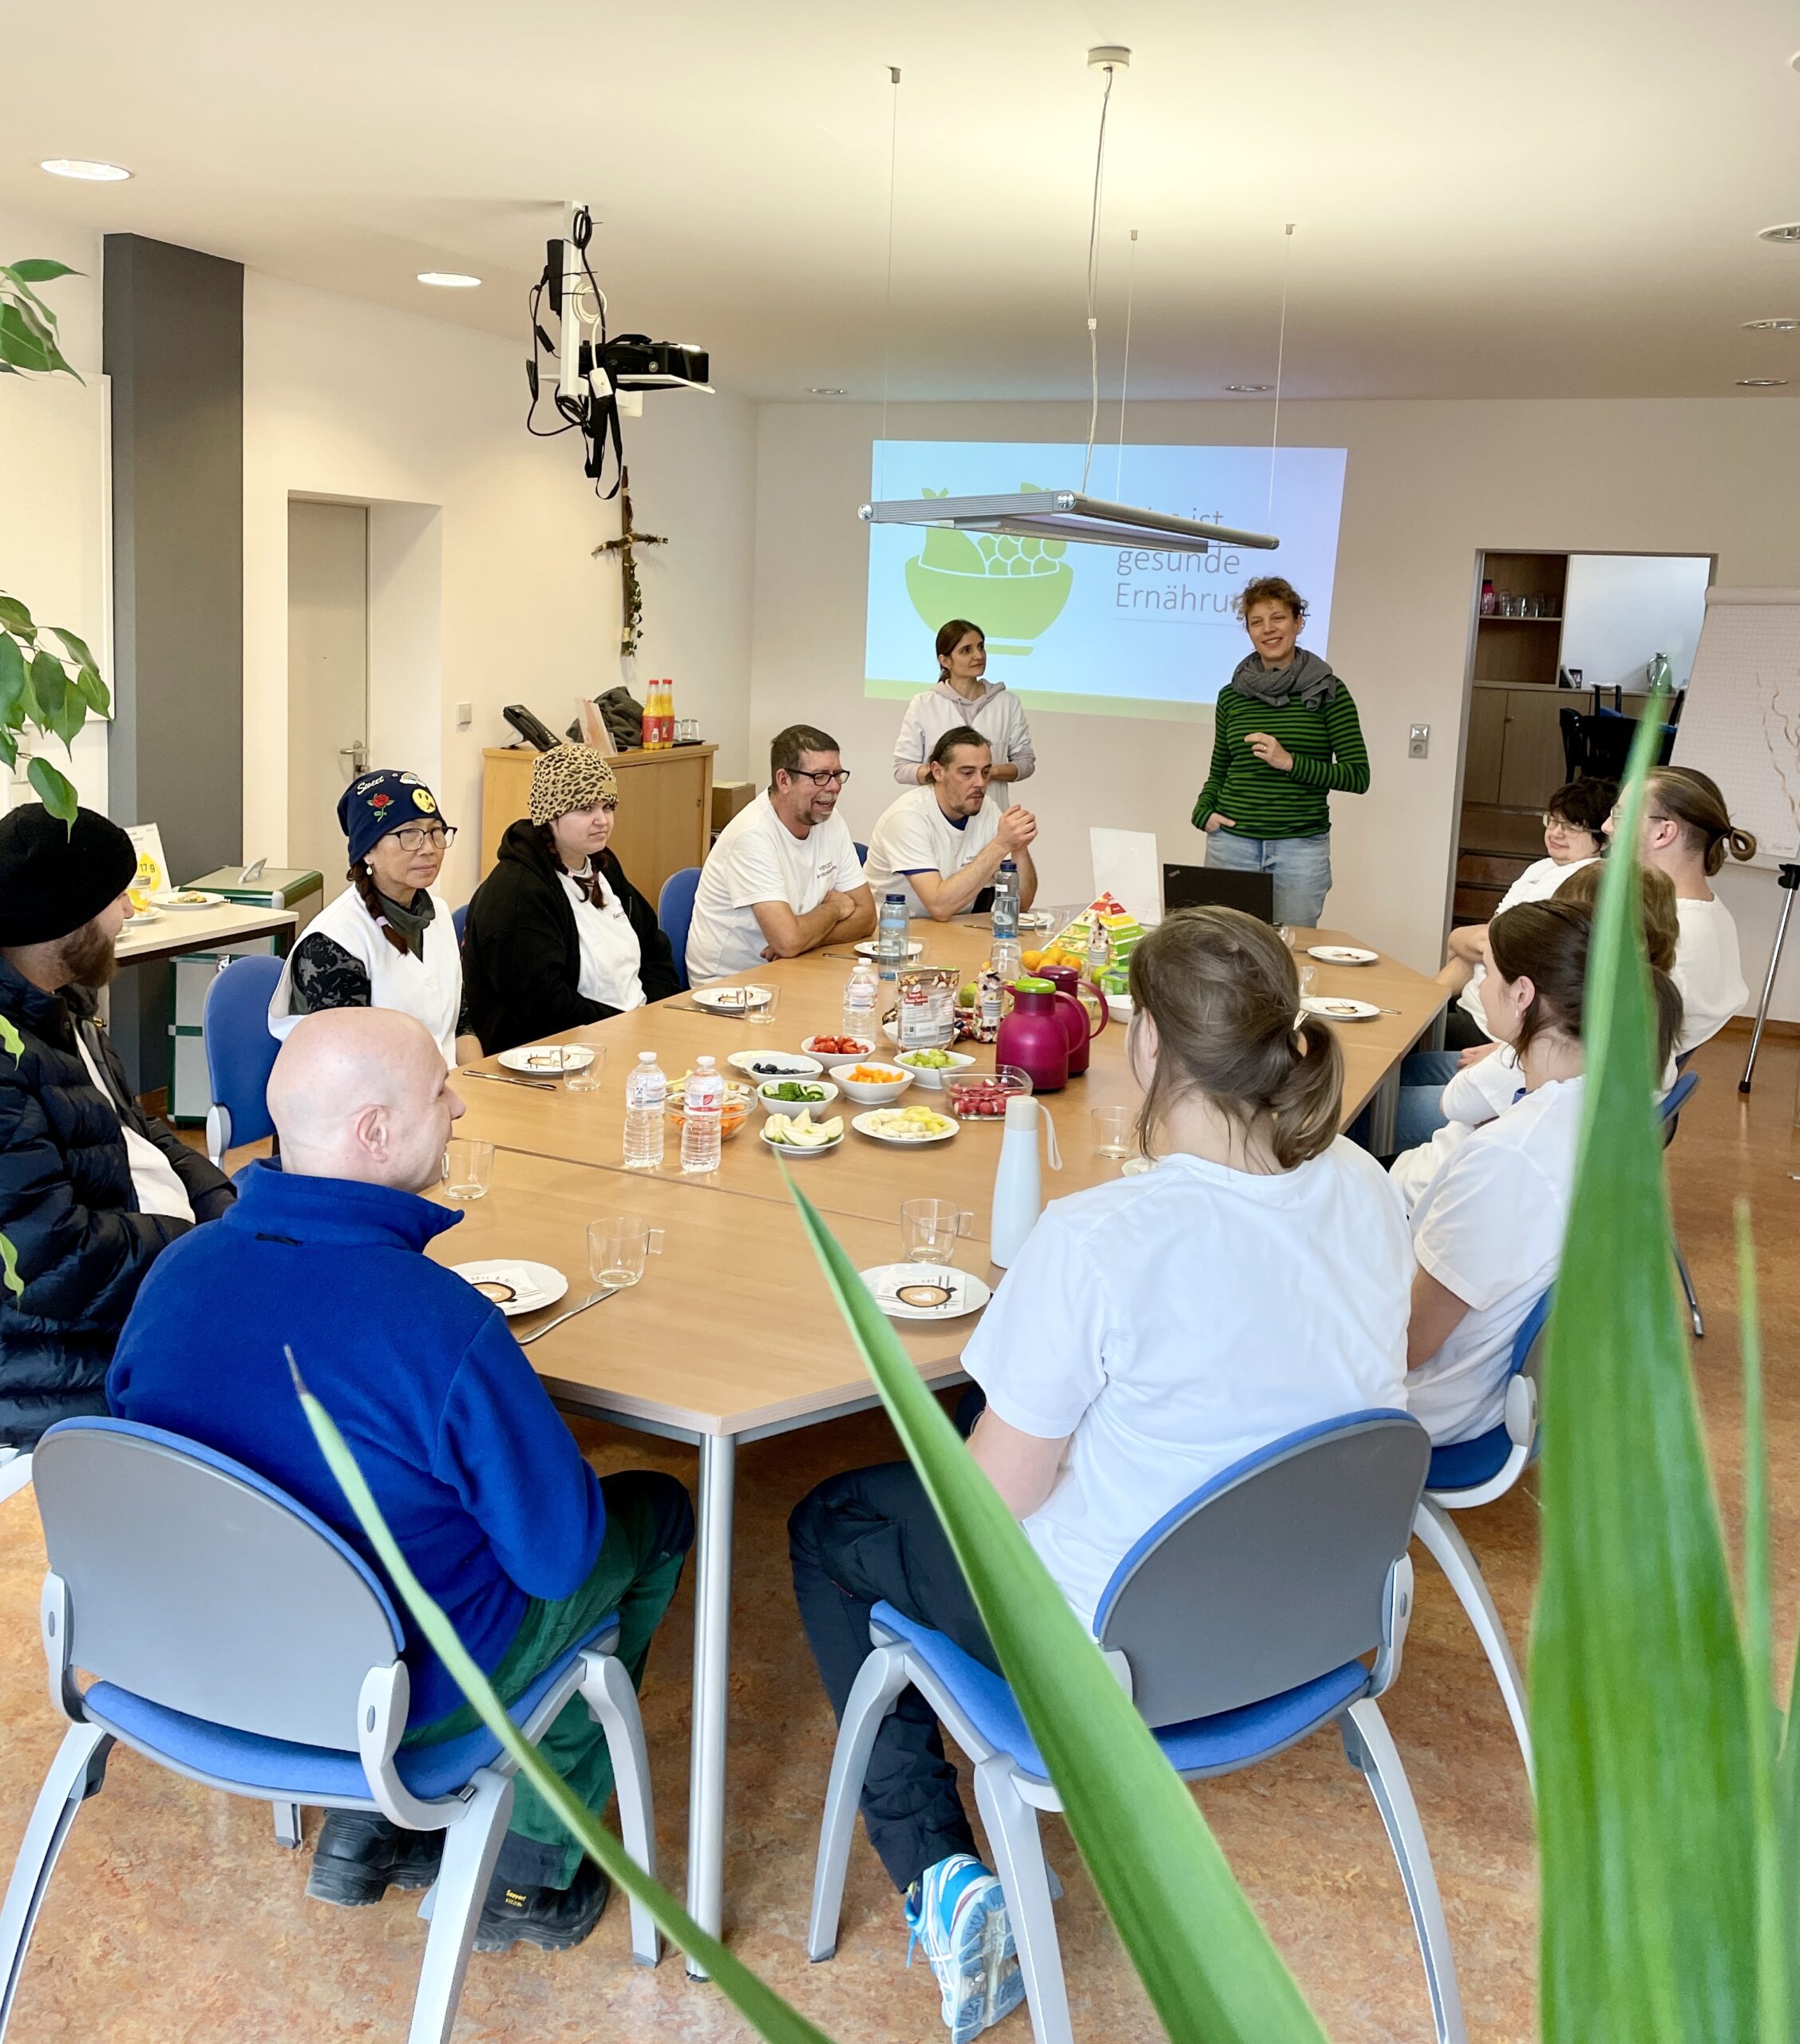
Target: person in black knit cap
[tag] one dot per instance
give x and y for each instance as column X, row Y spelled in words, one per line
column 91, row 1191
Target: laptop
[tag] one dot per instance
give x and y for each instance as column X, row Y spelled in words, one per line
column 1205, row 886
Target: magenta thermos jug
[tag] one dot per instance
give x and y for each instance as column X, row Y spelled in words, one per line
column 1081, row 1024
column 1035, row 1037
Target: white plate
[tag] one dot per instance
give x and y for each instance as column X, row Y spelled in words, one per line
column 802, row 1149
column 860, row 1125
column 535, row 1285
column 547, row 1058
column 968, row 1294
column 871, row 947
column 931, row 1076
column 731, row 1000
column 199, row 899
column 1334, row 1007
column 141, row 916
column 775, row 1064
column 1342, row 954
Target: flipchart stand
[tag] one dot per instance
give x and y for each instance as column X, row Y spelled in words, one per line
column 1789, row 879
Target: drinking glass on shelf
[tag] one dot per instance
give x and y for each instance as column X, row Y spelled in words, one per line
column 619, row 1246
column 586, row 1078
column 1112, row 1131
column 1503, row 604
column 930, row 1229
column 687, row 730
column 467, row 1167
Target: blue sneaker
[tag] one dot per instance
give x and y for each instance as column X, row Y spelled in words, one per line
column 955, row 1910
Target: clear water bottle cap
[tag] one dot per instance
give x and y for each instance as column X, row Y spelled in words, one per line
column 705, row 1062
column 646, row 1057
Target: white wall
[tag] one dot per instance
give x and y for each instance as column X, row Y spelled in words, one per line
column 55, row 460
column 1428, row 484
column 1620, row 611
column 347, row 399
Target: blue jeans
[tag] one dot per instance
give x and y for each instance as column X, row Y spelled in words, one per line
column 1301, row 868
column 1423, row 1077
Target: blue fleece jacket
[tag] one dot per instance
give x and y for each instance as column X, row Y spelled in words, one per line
column 473, row 1469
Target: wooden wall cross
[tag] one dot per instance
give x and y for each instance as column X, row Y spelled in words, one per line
column 631, row 592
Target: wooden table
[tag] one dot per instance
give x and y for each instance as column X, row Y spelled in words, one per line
column 178, row 930
column 732, row 1337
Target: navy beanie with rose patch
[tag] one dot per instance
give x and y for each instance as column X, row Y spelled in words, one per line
column 377, row 803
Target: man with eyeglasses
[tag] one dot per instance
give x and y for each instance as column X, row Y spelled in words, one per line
column 784, row 877
column 388, row 941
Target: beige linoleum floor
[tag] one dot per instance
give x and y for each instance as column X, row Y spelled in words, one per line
column 174, row 1918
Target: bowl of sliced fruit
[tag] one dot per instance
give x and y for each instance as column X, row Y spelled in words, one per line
column 788, row 1095
column 734, row 1109
column 799, row 1135
column 982, row 1096
column 832, row 1052
column 932, row 1069
column 871, row 1084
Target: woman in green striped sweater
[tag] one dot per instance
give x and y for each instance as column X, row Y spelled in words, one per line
column 1286, row 734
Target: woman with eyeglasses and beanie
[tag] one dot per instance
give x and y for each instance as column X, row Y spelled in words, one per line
column 557, row 936
column 388, row 941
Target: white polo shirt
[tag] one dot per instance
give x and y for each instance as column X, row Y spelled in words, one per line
column 1708, row 972
column 914, row 835
column 1173, row 1322
column 1489, row 1227
column 758, row 858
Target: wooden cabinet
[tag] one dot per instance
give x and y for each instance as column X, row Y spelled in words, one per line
column 1514, row 755
column 665, row 808
column 1486, row 745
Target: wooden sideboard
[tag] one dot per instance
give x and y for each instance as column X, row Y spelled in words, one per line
column 665, row 808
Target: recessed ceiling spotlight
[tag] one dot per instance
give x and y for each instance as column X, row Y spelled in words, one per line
column 449, row 279
column 1249, row 389
column 90, row 173
column 1762, row 382
column 1789, row 233
column 826, row 390
column 1772, row 326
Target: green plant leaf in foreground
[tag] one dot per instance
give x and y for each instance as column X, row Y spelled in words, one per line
column 1204, row 1959
column 1649, row 1914
column 776, row 2018
column 55, row 791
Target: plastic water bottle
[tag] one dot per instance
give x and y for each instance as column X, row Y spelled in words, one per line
column 862, row 996
column 1006, row 903
column 702, row 1114
column 646, row 1093
column 890, row 936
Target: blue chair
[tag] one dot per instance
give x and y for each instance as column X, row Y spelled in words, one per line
column 1673, row 1101
column 238, row 1641
column 1237, row 1624
column 861, row 852
column 459, row 922
column 1468, row 1473
column 240, row 1052
column 675, row 911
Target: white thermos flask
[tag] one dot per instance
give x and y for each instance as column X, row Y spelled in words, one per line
column 1019, row 1189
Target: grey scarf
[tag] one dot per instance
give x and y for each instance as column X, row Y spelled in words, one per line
column 1306, row 679
column 412, row 923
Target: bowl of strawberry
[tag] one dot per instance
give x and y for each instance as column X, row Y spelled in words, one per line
column 982, row 1096
column 832, row 1050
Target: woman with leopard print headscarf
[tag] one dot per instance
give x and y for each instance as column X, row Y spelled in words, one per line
column 557, row 936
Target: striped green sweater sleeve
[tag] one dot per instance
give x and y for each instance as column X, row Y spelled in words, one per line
column 1328, row 753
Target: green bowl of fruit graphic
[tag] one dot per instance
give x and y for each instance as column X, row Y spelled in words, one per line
column 1013, row 589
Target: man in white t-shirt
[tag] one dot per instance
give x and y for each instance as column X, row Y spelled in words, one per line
column 783, row 877
column 942, row 843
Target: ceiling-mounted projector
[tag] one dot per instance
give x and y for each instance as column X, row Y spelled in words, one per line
column 636, row 362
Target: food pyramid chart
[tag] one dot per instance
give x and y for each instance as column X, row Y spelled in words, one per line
column 1122, row 932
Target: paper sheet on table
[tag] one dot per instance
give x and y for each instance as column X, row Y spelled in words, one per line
column 1126, row 866
column 152, row 867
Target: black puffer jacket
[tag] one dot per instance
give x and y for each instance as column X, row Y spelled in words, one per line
column 521, row 957
column 68, row 1208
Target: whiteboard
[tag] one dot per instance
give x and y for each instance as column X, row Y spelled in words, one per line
column 1741, row 721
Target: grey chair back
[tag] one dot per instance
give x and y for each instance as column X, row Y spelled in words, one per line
column 1274, row 1573
column 195, row 1584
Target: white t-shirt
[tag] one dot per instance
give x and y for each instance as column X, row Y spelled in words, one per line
column 914, row 835
column 998, row 714
column 610, row 954
column 152, row 1176
column 1537, row 883
column 758, row 858
column 1175, row 1322
column 1707, row 971
column 1489, row 1227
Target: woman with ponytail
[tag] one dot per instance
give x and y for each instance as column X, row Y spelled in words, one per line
column 1488, row 1222
column 1687, row 832
column 1154, row 1329
column 388, row 941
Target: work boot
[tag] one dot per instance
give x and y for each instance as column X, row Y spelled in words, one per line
column 360, row 1855
column 554, row 1919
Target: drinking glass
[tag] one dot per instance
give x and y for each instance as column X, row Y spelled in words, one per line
column 1112, row 1131
column 763, row 1010
column 467, row 1167
column 929, row 1230
column 619, row 1245
column 1309, row 979
column 587, row 1078
column 1285, row 932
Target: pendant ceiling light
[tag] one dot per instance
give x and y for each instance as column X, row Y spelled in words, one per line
column 1063, row 514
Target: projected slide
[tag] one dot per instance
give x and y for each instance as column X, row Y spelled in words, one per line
column 1145, row 632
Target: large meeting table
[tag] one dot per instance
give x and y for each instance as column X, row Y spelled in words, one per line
column 732, row 1335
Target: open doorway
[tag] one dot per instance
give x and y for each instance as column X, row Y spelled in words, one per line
column 327, row 676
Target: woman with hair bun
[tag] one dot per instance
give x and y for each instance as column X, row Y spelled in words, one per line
column 1285, row 733
column 1154, row 1329
column 1686, row 831
column 963, row 695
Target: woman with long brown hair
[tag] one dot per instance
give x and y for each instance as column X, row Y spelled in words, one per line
column 964, row 695
column 1154, row 1330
